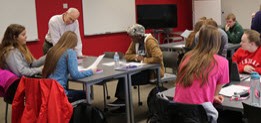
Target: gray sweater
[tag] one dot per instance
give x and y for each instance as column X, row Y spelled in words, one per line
column 224, row 42
column 15, row 62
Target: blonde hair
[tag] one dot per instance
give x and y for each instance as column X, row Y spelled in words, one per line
column 231, row 16
column 191, row 37
column 211, row 22
column 67, row 41
column 203, row 18
column 201, row 58
column 10, row 42
column 253, row 36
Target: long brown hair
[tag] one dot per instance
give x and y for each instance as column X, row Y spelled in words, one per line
column 191, row 37
column 200, row 60
column 10, row 42
column 67, row 41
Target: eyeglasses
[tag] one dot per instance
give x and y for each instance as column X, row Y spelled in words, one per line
column 70, row 18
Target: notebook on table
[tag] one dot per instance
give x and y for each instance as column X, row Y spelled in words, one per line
column 235, row 75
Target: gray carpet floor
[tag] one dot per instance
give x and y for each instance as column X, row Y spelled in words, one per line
column 140, row 112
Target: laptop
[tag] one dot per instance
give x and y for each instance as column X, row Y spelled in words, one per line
column 235, row 75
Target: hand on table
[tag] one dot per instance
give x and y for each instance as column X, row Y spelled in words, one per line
column 249, row 69
column 218, row 99
column 94, row 69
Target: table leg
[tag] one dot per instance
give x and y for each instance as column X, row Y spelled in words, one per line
column 128, row 94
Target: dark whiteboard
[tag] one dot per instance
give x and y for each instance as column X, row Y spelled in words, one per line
column 107, row 16
column 21, row 12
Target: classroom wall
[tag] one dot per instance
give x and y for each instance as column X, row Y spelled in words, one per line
column 95, row 45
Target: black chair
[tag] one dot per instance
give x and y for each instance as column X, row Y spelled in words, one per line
column 9, row 96
column 170, row 61
column 111, row 54
column 252, row 113
column 186, row 113
column 170, row 112
column 170, row 36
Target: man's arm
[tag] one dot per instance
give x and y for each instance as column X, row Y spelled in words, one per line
column 79, row 42
column 130, row 54
column 155, row 52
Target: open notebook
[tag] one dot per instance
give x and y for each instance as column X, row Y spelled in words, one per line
column 235, row 75
column 231, row 89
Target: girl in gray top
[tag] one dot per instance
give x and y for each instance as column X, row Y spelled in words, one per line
column 15, row 55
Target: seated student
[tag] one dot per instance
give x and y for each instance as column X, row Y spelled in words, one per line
column 224, row 39
column 61, row 60
column 233, row 29
column 256, row 21
column 190, row 40
column 202, row 72
column 143, row 48
column 15, row 55
column 248, row 56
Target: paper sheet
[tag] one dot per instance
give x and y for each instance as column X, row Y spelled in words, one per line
column 186, row 33
column 111, row 63
column 94, row 64
column 231, row 89
column 129, row 66
column 179, row 45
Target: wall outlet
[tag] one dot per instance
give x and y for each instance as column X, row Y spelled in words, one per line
column 65, row 5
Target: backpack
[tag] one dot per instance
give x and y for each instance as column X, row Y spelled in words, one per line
column 157, row 111
column 86, row 113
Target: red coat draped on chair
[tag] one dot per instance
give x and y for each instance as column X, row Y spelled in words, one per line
column 40, row 101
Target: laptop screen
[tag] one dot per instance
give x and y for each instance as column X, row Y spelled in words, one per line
column 235, row 75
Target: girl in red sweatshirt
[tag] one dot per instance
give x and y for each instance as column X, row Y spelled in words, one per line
column 248, row 56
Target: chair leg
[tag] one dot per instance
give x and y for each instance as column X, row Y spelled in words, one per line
column 6, row 112
column 108, row 97
column 105, row 92
column 140, row 103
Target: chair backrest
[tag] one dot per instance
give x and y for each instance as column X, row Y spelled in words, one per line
column 7, row 78
column 10, row 93
column 36, row 96
column 170, row 60
column 186, row 113
column 252, row 113
column 111, row 54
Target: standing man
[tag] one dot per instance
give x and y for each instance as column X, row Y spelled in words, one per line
column 233, row 29
column 58, row 24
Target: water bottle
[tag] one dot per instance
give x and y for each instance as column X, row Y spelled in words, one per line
column 255, row 89
column 116, row 60
column 235, row 96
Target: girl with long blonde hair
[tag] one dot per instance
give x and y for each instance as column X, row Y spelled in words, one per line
column 61, row 60
column 15, row 55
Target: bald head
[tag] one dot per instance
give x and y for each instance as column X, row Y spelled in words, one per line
column 71, row 15
column 73, row 12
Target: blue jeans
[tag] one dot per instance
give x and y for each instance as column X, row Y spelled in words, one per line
column 74, row 95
